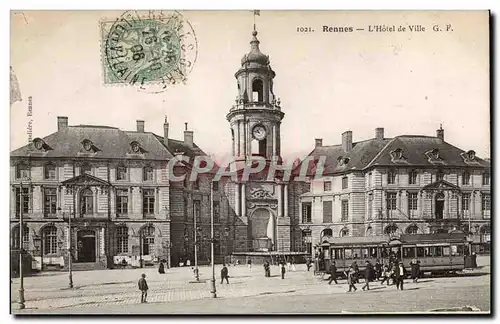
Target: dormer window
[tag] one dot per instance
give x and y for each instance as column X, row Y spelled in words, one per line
column 39, row 144
column 343, row 160
column 434, row 156
column 87, row 145
column 136, row 147
column 435, row 153
column 397, row 155
column 471, row 155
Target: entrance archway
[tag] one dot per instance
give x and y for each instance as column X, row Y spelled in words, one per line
column 86, row 246
column 263, row 229
column 439, row 203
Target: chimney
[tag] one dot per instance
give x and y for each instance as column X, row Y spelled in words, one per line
column 318, row 142
column 347, row 141
column 379, row 133
column 188, row 136
column 62, row 122
column 440, row 132
column 140, row 126
column 165, row 132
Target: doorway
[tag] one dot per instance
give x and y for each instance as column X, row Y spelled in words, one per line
column 439, row 206
column 86, row 246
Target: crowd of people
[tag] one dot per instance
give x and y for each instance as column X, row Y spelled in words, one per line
column 392, row 273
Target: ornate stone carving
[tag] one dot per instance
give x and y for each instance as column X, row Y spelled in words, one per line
column 259, row 193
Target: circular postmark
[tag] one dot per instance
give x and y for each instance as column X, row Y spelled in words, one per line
column 151, row 50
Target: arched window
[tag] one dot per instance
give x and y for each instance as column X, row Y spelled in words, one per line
column 49, row 237
column 412, row 229
column 485, row 234
column 344, row 232
column 147, row 173
column 86, row 168
column 369, row 231
column 49, row 171
column 258, row 90
column 122, row 239
column 22, row 171
column 391, row 229
column 327, row 232
column 15, row 237
column 87, row 202
column 391, row 177
column 148, row 240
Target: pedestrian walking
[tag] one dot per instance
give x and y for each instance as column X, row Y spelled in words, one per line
column 351, row 278
column 368, row 275
column 249, row 263
column 283, row 270
column 308, row 264
column 143, row 287
column 161, row 268
column 356, row 271
column 224, row 274
column 293, row 264
column 333, row 273
column 288, row 264
column 414, row 270
column 386, row 275
column 267, row 269
column 378, row 270
column 400, row 275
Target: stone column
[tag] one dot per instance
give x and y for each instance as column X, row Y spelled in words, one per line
column 274, row 140
column 286, row 201
column 102, row 240
column 243, row 201
column 271, row 230
column 238, row 138
column 280, row 202
column 419, row 204
column 237, row 199
column 446, row 206
column 95, row 192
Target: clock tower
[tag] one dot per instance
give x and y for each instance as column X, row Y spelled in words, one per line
column 256, row 116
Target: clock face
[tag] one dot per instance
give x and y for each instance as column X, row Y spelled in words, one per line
column 259, row 132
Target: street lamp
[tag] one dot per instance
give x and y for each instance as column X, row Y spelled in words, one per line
column 21, row 248
column 213, row 290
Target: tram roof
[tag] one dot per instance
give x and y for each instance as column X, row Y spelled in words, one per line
column 404, row 238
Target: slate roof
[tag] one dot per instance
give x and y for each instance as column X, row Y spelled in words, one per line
column 110, row 143
column 380, row 152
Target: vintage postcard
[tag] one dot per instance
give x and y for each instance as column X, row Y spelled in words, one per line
column 250, row 162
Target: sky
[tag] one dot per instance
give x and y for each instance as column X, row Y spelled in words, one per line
column 406, row 82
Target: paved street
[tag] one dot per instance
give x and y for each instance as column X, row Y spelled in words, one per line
column 248, row 292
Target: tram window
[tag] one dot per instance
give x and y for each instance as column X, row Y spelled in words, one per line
column 364, row 253
column 408, row 252
column 384, row 252
column 373, row 252
column 438, row 251
column 339, row 254
column 356, row 253
column 348, row 253
column 420, row 252
column 446, row 251
column 453, row 249
column 460, row 250
column 428, row 251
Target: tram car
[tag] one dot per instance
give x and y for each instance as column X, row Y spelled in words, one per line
column 437, row 253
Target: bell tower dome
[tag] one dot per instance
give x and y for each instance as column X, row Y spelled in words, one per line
column 256, row 116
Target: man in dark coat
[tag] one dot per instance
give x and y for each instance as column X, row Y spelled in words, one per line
column 267, row 269
column 143, row 287
column 368, row 275
column 333, row 273
column 378, row 270
column 224, row 274
column 161, row 268
column 399, row 275
column 356, row 272
column 283, row 270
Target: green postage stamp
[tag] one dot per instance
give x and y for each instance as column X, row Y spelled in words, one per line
column 151, row 50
